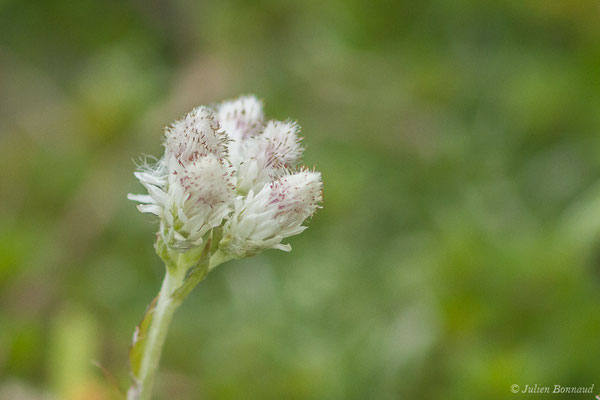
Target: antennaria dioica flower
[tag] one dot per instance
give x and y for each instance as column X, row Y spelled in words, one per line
column 228, row 186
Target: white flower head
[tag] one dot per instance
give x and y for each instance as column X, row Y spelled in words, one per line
column 190, row 188
column 201, row 195
column 241, row 118
column 264, row 157
column 195, row 135
column 276, row 212
column 232, row 171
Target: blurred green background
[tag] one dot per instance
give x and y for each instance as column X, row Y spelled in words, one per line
column 458, row 250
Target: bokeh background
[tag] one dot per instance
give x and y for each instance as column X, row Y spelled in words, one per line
column 457, row 252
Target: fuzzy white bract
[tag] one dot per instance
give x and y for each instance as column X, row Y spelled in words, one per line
column 228, row 174
column 277, row 211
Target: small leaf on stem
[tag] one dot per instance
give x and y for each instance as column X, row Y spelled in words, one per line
column 136, row 350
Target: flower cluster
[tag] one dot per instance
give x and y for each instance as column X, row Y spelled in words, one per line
column 230, row 174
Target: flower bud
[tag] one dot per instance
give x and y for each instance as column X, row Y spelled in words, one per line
column 263, row 220
column 190, row 188
column 195, row 135
column 264, row 157
column 241, row 118
column 201, row 195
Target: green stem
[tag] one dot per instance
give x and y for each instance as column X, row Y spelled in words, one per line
column 217, row 259
column 179, row 281
column 157, row 332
